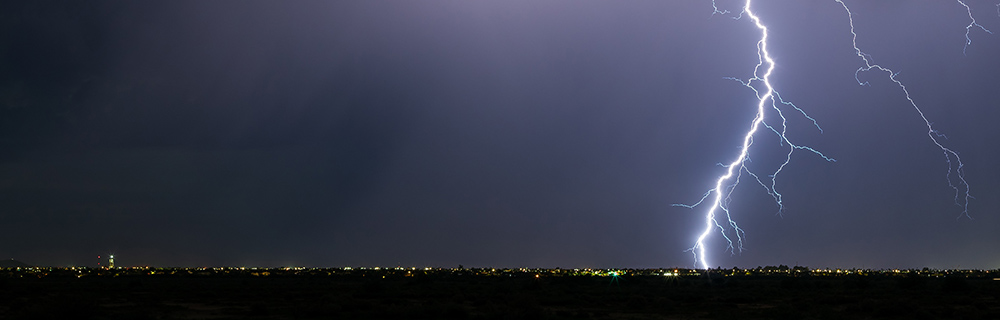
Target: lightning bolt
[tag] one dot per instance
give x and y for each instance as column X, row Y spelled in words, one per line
column 962, row 192
column 718, row 198
column 968, row 28
column 720, row 195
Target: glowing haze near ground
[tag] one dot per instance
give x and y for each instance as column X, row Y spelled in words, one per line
column 514, row 133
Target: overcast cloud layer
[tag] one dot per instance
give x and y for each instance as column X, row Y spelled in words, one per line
column 501, row 133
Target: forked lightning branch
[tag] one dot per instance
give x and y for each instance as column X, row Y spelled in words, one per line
column 718, row 218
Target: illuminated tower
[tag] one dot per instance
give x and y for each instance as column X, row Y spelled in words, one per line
column 111, row 261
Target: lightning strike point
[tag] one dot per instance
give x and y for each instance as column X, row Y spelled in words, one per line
column 719, row 197
column 721, row 194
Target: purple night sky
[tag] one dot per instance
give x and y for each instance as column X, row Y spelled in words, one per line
column 487, row 133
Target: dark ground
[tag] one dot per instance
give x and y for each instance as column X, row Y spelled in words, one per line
column 367, row 295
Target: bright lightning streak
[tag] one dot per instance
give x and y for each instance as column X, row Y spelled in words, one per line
column 720, row 195
column 968, row 28
column 725, row 184
column 962, row 190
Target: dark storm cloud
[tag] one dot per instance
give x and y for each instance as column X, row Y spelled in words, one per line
column 478, row 133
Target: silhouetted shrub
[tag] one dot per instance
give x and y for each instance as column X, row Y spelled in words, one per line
column 955, row 283
column 911, row 281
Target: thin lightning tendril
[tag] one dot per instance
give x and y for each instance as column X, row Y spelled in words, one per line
column 715, row 9
column 968, row 28
column 962, row 190
column 725, row 184
column 783, row 138
column 719, row 197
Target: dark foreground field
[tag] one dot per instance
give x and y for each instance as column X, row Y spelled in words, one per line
column 450, row 295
